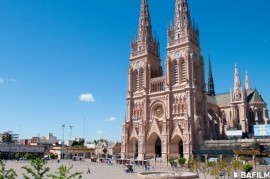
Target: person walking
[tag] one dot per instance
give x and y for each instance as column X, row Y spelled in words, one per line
column 88, row 171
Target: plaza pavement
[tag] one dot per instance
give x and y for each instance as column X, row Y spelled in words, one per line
column 98, row 170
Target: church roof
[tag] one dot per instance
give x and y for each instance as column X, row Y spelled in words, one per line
column 254, row 97
column 223, row 99
column 211, row 100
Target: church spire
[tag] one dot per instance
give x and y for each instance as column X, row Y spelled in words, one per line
column 183, row 27
column 247, row 85
column 237, row 82
column 145, row 43
column 145, row 28
column 182, row 16
column 211, row 87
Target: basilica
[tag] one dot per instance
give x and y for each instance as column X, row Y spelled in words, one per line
column 170, row 111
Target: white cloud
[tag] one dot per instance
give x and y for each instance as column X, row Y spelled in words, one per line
column 12, row 80
column 100, row 132
column 87, row 97
column 1, row 81
column 111, row 119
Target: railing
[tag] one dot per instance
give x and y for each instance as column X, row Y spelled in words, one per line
column 136, row 53
column 157, row 84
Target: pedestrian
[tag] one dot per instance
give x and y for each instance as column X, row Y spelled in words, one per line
column 88, row 171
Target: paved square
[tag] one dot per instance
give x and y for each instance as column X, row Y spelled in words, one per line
column 98, row 171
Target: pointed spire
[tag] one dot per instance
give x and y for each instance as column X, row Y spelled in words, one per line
column 145, row 28
column 145, row 41
column 247, row 85
column 183, row 27
column 182, row 16
column 237, row 82
column 211, row 86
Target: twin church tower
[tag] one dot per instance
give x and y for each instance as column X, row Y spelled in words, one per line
column 170, row 114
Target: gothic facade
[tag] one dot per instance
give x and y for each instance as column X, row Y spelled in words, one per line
column 169, row 114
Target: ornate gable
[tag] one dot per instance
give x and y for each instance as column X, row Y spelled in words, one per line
column 154, row 128
column 134, row 133
column 176, row 131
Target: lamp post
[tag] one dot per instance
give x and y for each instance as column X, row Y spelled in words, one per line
column 63, row 140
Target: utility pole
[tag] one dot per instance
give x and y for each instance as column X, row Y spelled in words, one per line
column 70, row 135
column 84, row 128
column 63, row 141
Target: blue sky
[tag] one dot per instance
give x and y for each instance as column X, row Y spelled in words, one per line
column 51, row 52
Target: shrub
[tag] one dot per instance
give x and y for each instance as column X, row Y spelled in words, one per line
column 182, row 161
column 247, row 168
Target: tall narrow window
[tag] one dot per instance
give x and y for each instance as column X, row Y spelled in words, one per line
column 260, row 116
column 137, row 82
column 238, row 116
column 176, row 73
column 142, row 79
column 184, row 71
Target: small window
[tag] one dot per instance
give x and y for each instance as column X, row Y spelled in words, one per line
column 184, row 71
column 176, row 73
column 137, row 82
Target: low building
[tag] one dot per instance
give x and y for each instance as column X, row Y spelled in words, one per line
column 9, row 137
column 114, row 149
column 75, row 152
column 9, row 150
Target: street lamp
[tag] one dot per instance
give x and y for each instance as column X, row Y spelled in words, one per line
column 63, row 140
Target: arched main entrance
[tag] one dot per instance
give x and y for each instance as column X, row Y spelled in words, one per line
column 177, row 148
column 153, row 146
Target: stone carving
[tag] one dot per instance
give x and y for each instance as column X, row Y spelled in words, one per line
column 180, row 105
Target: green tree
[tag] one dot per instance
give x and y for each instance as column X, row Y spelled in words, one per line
column 28, row 156
column 247, row 168
column 76, row 143
column 52, row 156
column 65, row 173
column 37, row 169
column 100, row 140
column 6, row 174
column 171, row 161
column 182, row 161
column 17, row 156
column 237, row 165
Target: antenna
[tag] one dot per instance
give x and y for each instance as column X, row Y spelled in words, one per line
column 70, row 134
column 84, row 128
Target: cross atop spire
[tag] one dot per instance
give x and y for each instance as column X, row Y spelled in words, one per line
column 184, row 30
column 144, row 42
column 247, row 85
column 211, row 86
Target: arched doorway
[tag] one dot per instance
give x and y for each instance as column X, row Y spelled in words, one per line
column 177, row 148
column 158, row 147
column 153, row 146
